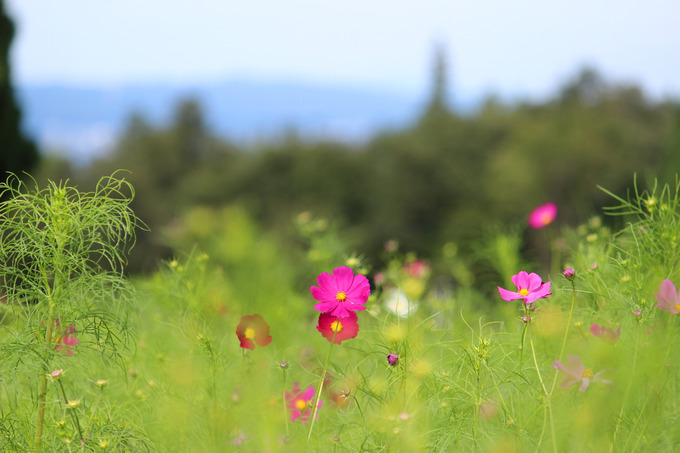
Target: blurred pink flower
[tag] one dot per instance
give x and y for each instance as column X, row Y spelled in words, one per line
column 416, row 268
column 341, row 293
column 577, row 372
column 543, row 215
column 606, row 333
column 300, row 403
column 530, row 288
column 667, row 298
column 66, row 343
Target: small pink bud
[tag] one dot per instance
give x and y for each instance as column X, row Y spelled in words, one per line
column 526, row 319
column 392, row 359
column 569, row 274
column 56, row 374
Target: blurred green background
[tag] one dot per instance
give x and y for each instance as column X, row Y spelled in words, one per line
column 447, row 177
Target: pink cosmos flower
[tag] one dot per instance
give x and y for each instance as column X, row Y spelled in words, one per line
column 337, row 329
column 251, row 330
column 606, row 333
column 416, row 268
column 577, row 372
column 66, row 344
column 667, row 298
column 341, row 293
column 543, row 215
column 530, row 288
column 300, row 403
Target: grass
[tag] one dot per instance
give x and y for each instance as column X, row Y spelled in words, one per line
column 471, row 375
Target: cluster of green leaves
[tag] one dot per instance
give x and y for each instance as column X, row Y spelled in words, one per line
column 61, row 260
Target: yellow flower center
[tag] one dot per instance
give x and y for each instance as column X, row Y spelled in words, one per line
column 250, row 333
column 301, row 404
column 677, row 307
column 587, row 373
column 523, row 292
column 336, row 326
column 341, row 296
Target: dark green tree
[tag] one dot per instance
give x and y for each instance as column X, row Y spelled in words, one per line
column 17, row 153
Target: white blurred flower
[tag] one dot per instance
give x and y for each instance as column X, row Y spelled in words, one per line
column 397, row 302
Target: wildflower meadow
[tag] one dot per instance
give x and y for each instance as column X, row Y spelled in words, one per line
column 249, row 342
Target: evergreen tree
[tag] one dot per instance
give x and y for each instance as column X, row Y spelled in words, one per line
column 17, row 153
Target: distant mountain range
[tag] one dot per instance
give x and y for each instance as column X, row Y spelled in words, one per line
column 81, row 122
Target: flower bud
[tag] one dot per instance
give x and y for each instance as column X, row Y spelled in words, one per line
column 569, row 274
column 392, row 359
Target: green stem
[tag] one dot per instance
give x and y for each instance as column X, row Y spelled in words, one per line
column 285, row 407
column 74, row 417
column 521, row 356
column 547, row 399
column 566, row 332
column 96, row 408
column 317, row 399
column 42, row 392
column 628, row 387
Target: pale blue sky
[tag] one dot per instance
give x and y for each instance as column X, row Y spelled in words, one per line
column 520, row 47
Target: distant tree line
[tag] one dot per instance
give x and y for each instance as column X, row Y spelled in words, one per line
column 447, row 177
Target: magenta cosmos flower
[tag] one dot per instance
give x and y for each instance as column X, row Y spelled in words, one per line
column 300, row 403
column 251, row 330
column 542, row 215
column 530, row 288
column 341, row 293
column 606, row 333
column 337, row 329
column 577, row 372
column 66, row 343
column 667, row 298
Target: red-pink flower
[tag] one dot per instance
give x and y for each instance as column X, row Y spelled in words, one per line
column 606, row 333
column 251, row 330
column 341, row 293
column 543, row 215
column 530, row 288
column 416, row 268
column 577, row 372
column 339, row 328
column 301, row 403
column 667, row 298
column 66, row 343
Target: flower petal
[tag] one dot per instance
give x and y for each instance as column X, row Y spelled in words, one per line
column 343, row 276
column 360, row 289
column 322, row 295
column 327, row 307
column 667, row 297
column 540, row 293
column 327, row 282
column 585, row 382
column 535, row 281
column 568, row 381
column 521, row 280
column 508, row 295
